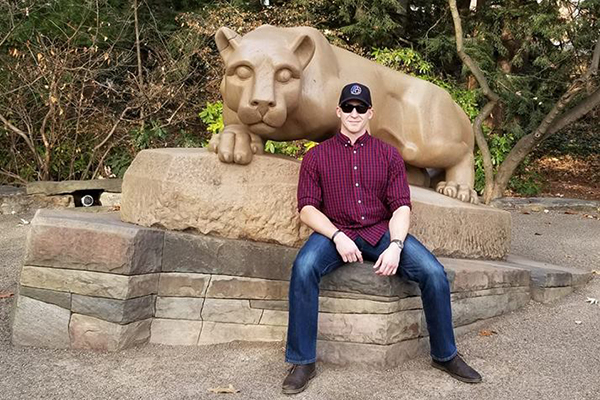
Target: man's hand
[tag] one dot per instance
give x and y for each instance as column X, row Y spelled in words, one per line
column 388, row 261
column 347, row 248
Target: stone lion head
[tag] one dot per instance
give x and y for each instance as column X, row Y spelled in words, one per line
column 263, row 71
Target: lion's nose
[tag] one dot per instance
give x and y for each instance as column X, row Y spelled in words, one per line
column 262, row 106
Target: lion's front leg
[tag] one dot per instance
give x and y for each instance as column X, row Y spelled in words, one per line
column 236, row 144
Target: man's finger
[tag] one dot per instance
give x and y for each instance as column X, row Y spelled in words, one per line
column 377, row 263
column 360, row 258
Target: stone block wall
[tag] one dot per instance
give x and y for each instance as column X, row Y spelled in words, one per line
column 91, row 281
column 88, row 282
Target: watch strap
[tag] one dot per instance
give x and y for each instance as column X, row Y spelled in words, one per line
column 399, row 243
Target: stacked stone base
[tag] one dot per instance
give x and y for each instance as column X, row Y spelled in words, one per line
column 91, row 281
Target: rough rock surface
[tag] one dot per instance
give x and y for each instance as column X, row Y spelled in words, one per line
column 92, row 242
column 190, row 189
column 93, row 333
column 40, row 324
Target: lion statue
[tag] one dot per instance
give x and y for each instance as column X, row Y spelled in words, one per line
column 283, row 84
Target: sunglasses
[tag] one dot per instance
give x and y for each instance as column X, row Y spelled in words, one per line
column 360, row 108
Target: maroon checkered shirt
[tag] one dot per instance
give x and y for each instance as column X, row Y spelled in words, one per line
column 357, row 187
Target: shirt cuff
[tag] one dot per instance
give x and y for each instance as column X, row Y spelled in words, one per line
column 308, row 201
column 396, row 204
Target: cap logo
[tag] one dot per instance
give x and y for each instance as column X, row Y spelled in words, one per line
column 355, row 90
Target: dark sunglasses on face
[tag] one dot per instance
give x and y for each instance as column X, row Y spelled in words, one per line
column 360, row 108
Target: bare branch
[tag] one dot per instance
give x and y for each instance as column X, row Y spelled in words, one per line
column 488, row 167
column 137, row 41
column 18, row 132
column 487, row 109
column 112, row 130
column 13, row 176
column 576, row 112
column 472, row 65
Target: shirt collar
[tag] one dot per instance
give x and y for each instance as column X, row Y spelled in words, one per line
column 361, row 140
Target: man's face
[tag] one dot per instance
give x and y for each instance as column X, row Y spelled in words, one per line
column 352, row 120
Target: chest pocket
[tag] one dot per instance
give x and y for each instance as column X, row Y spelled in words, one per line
column 375, row 175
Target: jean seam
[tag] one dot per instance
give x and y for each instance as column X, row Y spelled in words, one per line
column 324, row 272
column 444, row 359
column 307, row 361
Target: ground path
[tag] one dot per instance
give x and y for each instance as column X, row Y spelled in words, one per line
column 538, row 352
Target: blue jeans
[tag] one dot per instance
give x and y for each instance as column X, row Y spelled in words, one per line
column 319, row 257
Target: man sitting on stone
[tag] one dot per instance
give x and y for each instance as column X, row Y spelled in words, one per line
column 353, row 192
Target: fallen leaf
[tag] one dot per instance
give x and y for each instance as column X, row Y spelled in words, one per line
column 228, row 389
column 24, row 221
column 6, row 295
column 571, row 212
column 487, row 332
column 537, row 234
column 525, row 212
column 595, row 272
column 591, row 300
column 578, row 322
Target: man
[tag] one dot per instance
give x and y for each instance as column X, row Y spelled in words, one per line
column 354, row 194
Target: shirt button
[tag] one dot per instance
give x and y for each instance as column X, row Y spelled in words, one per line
column 362, row 218
column 362, row 144
column 360, row 201
column 355, row 167
column 354, row 151
column 345, row 145
column 356, row 183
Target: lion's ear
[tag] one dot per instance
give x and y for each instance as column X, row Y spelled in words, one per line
column 227, row 41
column 304, row 49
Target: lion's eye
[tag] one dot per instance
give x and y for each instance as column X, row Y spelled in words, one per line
column 283, row 75
column 243, row 72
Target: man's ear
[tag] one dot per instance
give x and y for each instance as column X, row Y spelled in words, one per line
column 227, row 41
column 338, row 111
column 304, row 49
column 370, row 113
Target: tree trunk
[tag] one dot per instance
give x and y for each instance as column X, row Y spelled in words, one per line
column 493, row 98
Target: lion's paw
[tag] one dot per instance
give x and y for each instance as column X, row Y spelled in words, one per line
column 234, row 145
column 463, row 193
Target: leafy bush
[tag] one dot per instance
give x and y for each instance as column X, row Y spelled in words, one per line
column 212, row 116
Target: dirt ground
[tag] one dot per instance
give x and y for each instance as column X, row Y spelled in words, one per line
column 569, row 177
column 538, row 352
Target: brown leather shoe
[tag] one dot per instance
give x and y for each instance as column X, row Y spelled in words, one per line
column 458, row 369
column 298, row 377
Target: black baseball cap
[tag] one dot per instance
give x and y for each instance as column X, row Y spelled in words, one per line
column 356, row 91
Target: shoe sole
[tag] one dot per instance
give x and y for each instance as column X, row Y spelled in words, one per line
column 460, row 378
column 296, row 391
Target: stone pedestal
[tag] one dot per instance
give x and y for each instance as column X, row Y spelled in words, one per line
column 191, row 190
column 91, row 281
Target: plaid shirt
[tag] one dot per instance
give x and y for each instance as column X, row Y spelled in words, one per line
column 357, row 187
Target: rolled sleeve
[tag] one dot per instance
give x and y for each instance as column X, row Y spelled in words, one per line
column 309, row 185
column 398, row 192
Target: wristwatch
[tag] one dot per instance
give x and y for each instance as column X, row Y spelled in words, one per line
column 399, row 242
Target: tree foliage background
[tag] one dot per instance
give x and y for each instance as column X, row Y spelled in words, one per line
column 76, row 103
